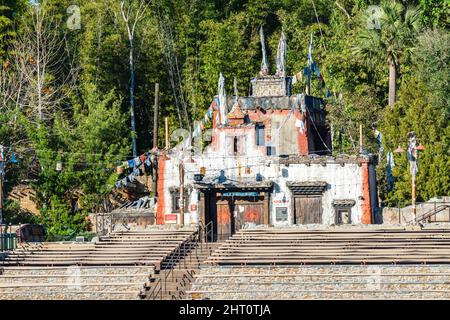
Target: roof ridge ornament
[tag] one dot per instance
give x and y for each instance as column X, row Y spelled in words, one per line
column 236, row 96
column 264, row 65
column 281, row 56
column 222, row 99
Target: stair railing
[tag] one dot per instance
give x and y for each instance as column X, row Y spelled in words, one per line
column 437, row 209
column 157, row 290
column 179, row 253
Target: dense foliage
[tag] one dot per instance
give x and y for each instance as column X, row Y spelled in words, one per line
column 183, row 45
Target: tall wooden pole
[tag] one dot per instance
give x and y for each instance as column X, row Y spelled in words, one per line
column 1, row 192
column 155, row 139
column 155, row 116
column 413, row 196
column 360, row 139
column 166, row 125
column 181, row 167
column 2, row 170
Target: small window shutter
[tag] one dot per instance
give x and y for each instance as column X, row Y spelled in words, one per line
column 259, row 135
column 241, row 145
column 230, row 145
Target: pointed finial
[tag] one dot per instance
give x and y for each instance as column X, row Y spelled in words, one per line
column 235, row 89
column 221, row 84
column 264, row 65
column 281, row 56
column 222, row 99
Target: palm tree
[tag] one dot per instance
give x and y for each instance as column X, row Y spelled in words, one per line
column 391, row 39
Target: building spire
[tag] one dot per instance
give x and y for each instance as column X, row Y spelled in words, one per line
column 235, row 90
column 281, row 56
column 222, row 99
column 264, row 65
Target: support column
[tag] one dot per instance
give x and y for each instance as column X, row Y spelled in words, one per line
column 366, row 207
column 266, row 208
column 201, row 208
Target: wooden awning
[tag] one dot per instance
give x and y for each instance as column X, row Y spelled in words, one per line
column 307, row 187
column 343, row 203
column 234, row 186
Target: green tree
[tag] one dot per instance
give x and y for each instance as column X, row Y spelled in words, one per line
column 88, row 144
column 10, row 10
column 415, row 112
column 389, row 42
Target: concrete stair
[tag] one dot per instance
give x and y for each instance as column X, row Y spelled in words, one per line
column 176, row 277
column 118, row 248
column 121, row 265
column 323, row 282
column 74, row 283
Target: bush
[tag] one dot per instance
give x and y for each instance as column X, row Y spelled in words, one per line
column 60, row 223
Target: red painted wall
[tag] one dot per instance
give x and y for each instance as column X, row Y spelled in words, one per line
column 161, row 197
column 366, row 206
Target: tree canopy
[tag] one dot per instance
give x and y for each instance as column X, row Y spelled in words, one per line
column 78, row 75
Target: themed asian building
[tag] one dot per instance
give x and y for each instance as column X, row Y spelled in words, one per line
column 268, row 162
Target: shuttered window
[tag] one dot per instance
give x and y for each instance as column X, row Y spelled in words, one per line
column 236, row 145
column 259, row 134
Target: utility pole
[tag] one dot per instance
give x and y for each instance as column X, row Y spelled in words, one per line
column 360, row 139
column 155, row 116
column 181, row 168
column 2, row 173
column 310, row 62
column 166, row 125
column 155, row 139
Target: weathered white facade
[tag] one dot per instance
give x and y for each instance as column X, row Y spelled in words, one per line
column 270, row 163
column 344, row 182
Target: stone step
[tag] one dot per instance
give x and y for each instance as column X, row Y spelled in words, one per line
column 70, row 279
column 322, row 295
column 72, row 295
column 45, row 288
column 291, row 270
column 368, row 285
column 104, row 270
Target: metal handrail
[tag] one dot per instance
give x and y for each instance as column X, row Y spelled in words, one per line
column 193, row 240
column 434, row 211
column 154, row 288
column 176, row 256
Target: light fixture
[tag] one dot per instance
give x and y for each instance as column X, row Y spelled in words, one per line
column 59, row 166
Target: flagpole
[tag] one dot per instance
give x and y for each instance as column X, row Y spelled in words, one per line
column 308, row 88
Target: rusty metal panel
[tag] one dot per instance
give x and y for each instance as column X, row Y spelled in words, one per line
column 248, row 212
column 223, row 220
